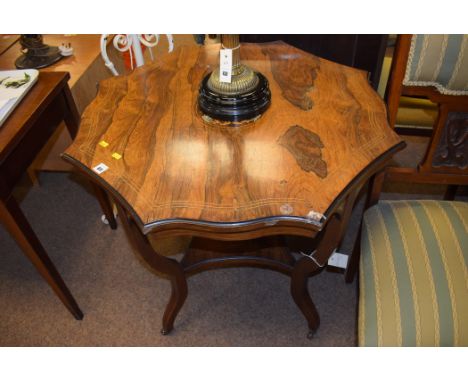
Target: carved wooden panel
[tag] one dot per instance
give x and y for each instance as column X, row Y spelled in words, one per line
column 324, row 126
column 452, row 149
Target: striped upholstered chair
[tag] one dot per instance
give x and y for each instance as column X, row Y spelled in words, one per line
column 414, row 254
column 435, row 68
column 414, row 274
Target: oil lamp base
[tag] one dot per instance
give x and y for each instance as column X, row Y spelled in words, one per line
column 234, row 107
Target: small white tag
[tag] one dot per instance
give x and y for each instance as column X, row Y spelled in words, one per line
column 339, row 260
column 100, row 168
column 225, row 65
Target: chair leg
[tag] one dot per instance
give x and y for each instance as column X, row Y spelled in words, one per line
column 450, row 192
column 353, row 262
column 373, row 194
column 375, row 189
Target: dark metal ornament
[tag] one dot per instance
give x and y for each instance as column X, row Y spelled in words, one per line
column 36, row 54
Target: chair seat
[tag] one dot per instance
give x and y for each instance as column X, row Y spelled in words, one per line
column 416, row 112
column 414, row 274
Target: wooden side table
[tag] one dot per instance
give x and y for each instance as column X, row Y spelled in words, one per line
column 294, row 171
column 22, row 136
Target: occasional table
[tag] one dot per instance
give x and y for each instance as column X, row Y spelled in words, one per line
column 23, row 134
column 240, row 189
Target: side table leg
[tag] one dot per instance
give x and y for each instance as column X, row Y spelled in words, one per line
column 301, row 296
column 72, row 121
column 15, row 222
column 170, row 267
column 106, row 205
column 71, row 117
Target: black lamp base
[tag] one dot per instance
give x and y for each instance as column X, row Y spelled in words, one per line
column 39, row 58
column 238, row 107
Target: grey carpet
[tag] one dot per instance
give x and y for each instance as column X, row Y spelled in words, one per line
column 123, row 302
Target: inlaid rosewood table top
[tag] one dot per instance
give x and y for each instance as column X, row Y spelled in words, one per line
column 167, row 164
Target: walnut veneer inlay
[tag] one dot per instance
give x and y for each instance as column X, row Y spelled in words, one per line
column 306, row 147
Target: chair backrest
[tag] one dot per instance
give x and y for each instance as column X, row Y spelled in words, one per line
column 427, row 61
column 440, row 61
column 132, row 43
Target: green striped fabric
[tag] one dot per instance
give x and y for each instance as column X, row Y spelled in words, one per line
column 440, row 61
column 414, row 274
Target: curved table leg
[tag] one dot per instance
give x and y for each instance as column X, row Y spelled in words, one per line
column 304, row 268
column 178, row 296
column 169, row 267
column 106, row 204
column 300, row 293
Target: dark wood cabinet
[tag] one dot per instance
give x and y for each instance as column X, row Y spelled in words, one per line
column 359, row 51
